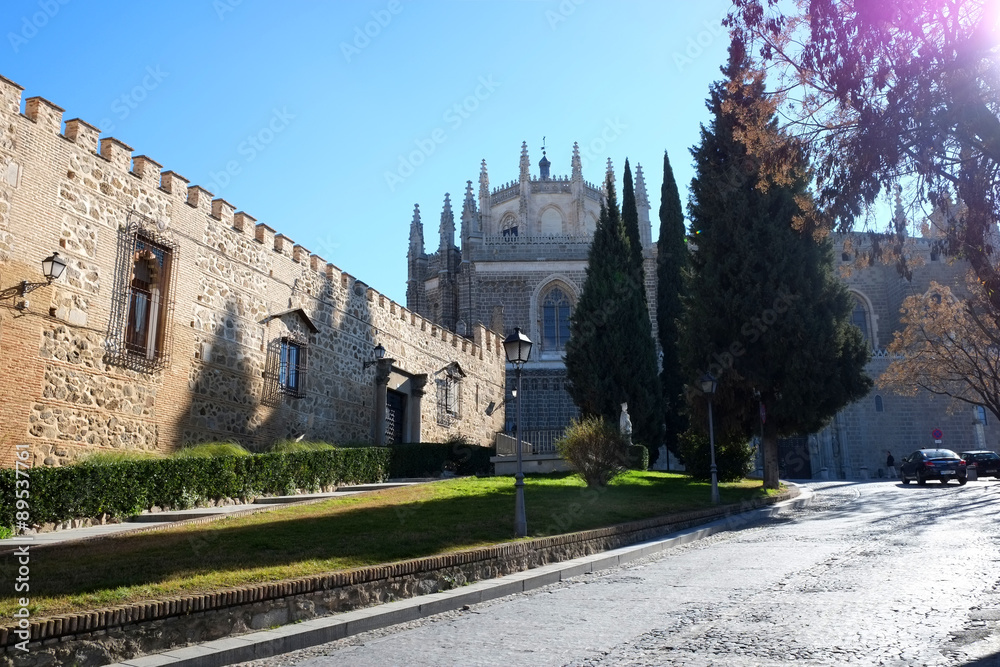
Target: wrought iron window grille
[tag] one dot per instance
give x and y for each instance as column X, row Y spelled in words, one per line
column 140, row 325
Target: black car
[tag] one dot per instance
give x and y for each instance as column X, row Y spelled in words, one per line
column 940, row 464
column 986, row 463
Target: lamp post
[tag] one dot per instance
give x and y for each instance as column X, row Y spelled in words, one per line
column 708, row 386
column 517, row 347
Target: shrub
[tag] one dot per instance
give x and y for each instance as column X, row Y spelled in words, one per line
column 430, row 459
column 594, row 449
column 733, row 456
column 638, row 457
column 211, row 449
column 286, row 446
column 127, row 488
column 112, row 457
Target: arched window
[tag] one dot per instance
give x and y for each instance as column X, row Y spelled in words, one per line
column 981, row 415
column 508, row 226
column 551, row 223
column 556, row 309
column 859, row 318
column 879, row 407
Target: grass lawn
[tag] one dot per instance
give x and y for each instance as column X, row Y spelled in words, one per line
column 390, row 525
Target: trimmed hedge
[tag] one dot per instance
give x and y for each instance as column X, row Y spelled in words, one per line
column 430, row 459
column 127, row 488
column 638, row 457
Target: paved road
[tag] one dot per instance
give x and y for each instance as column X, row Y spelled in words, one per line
column 868, row 574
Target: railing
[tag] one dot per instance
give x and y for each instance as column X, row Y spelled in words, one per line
column 535, row 442
column 537, row 240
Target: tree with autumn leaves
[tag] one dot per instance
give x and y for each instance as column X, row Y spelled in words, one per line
column 949, row 346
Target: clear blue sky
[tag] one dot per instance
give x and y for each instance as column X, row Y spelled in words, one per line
column 292, row 113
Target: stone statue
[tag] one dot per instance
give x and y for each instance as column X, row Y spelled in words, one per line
column 625, row 424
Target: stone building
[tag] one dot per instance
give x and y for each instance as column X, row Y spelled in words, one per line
column 180, row 320
column 522, row 262
column 855, row 444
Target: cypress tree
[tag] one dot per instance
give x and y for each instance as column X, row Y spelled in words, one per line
column 610, row 356
column 671, row 262
column 630, row 216
column 763, row 312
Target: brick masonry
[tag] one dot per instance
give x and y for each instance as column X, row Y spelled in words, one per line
column 239, row 287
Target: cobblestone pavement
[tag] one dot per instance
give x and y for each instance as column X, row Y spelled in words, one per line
column 867, row 574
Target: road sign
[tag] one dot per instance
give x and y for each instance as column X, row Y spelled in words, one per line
column 937, row 434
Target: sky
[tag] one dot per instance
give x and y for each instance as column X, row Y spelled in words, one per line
column 329, row 120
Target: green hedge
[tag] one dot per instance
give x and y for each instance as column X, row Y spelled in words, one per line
column 430, row 459
column 129, row 487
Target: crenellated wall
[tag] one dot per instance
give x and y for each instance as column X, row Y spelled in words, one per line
column 238, row 287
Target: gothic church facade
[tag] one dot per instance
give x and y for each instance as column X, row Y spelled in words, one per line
column 521, row 263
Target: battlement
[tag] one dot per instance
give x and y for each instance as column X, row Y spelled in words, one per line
column 83, row 136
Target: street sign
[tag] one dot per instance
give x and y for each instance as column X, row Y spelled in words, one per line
column 937, row 434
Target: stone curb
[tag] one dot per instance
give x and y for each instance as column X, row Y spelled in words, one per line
column 268, row 643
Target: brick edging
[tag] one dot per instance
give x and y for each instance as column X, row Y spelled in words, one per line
column 66, row 625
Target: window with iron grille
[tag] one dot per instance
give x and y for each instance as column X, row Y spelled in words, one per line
column 292, row 366
column 142, row 302
column 449, row 403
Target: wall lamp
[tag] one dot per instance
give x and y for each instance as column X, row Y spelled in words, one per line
column 52, row 268
column 379, row 352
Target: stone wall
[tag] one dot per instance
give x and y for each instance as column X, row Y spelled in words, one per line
column 235, row 288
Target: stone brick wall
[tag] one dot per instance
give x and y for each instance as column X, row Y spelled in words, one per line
column 238, row 288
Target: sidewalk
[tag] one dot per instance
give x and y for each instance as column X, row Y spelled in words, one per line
column 284, row 639
column 148, row 521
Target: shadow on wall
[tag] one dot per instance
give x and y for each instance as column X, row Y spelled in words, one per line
column 287, row 376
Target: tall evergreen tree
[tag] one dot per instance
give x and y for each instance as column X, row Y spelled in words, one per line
column 610, row 356
column 763, row 313
column 630, row 217
column 671, row 262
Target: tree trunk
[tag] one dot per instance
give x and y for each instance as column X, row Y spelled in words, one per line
column 770, row 445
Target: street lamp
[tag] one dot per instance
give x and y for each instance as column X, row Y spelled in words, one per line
column 517, row 347
column 52, row 268
column 708, row 386
column 379, row 353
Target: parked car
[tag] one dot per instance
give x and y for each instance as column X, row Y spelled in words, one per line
column 940, row 464
column 986, row 463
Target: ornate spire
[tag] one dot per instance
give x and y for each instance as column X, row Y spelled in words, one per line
column 543, row 164
column 447, row 229
column 470, row 201
column 640, row 187
column 416, row 233
column 576, row 164
column 484, row 182
column 525, row 164
column 610, row 171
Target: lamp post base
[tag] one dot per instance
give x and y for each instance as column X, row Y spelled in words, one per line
column 520, row 519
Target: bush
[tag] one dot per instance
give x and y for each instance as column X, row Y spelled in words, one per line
column 733, row 456
column 430, row 459
column 638, row 457
column 110, row 458
column 127, row 488
column 594, row 449
column 211, row 449
column 286, row 446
